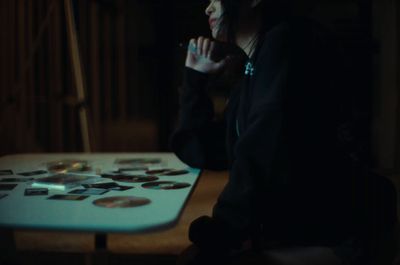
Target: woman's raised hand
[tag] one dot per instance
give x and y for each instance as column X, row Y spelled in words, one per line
column 200, row 56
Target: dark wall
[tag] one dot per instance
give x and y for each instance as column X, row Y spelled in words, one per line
column 133, row 65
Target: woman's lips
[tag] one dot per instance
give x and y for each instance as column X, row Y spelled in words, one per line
column 212, row 22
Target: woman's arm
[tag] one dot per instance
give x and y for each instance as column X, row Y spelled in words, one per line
column 199, row 139
column 284, row 142
column 236, row 214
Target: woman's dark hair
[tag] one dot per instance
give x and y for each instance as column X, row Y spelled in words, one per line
column 272, row 11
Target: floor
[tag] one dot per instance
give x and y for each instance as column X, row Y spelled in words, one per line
column 27, row 257
column 47, row 258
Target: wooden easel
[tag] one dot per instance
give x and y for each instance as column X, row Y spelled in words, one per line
column 79, row 77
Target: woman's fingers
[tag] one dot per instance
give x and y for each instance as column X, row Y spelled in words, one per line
column 206, row 47
column 200, row 53
column 211, row 49
column 192, row 46
column 200, row 46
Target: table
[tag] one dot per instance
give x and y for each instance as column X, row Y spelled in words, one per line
column 151, row 245
column 37, row 212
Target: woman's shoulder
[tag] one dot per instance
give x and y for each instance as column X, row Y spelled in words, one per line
column 295, row 27
column 294, row 33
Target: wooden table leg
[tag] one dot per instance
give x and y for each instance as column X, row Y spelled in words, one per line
column 101, row 254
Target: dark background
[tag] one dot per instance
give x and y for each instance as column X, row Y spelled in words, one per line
column 133, row 63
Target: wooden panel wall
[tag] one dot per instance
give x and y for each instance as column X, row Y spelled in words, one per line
column 386, row 129
column 38, row 107
column 132, row 81
column 25, row 40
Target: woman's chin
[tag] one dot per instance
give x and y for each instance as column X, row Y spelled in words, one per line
column 214, row 34
column 217, row 36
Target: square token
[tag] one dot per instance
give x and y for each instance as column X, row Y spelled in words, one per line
column 36, row 191
column 7, row 186
column 67, row 197
column 89, row 191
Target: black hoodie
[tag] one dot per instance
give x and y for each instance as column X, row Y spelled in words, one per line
column 291, row 178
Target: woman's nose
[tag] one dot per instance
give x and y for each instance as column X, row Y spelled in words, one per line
column 209, row 8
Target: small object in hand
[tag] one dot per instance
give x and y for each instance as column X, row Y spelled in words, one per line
column 189, row 46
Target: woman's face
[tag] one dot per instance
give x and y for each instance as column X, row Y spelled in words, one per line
column 214, row 12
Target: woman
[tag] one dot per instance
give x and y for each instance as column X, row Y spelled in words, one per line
column 293, row 174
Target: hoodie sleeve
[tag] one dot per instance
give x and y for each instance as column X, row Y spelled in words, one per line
column 199, row 139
